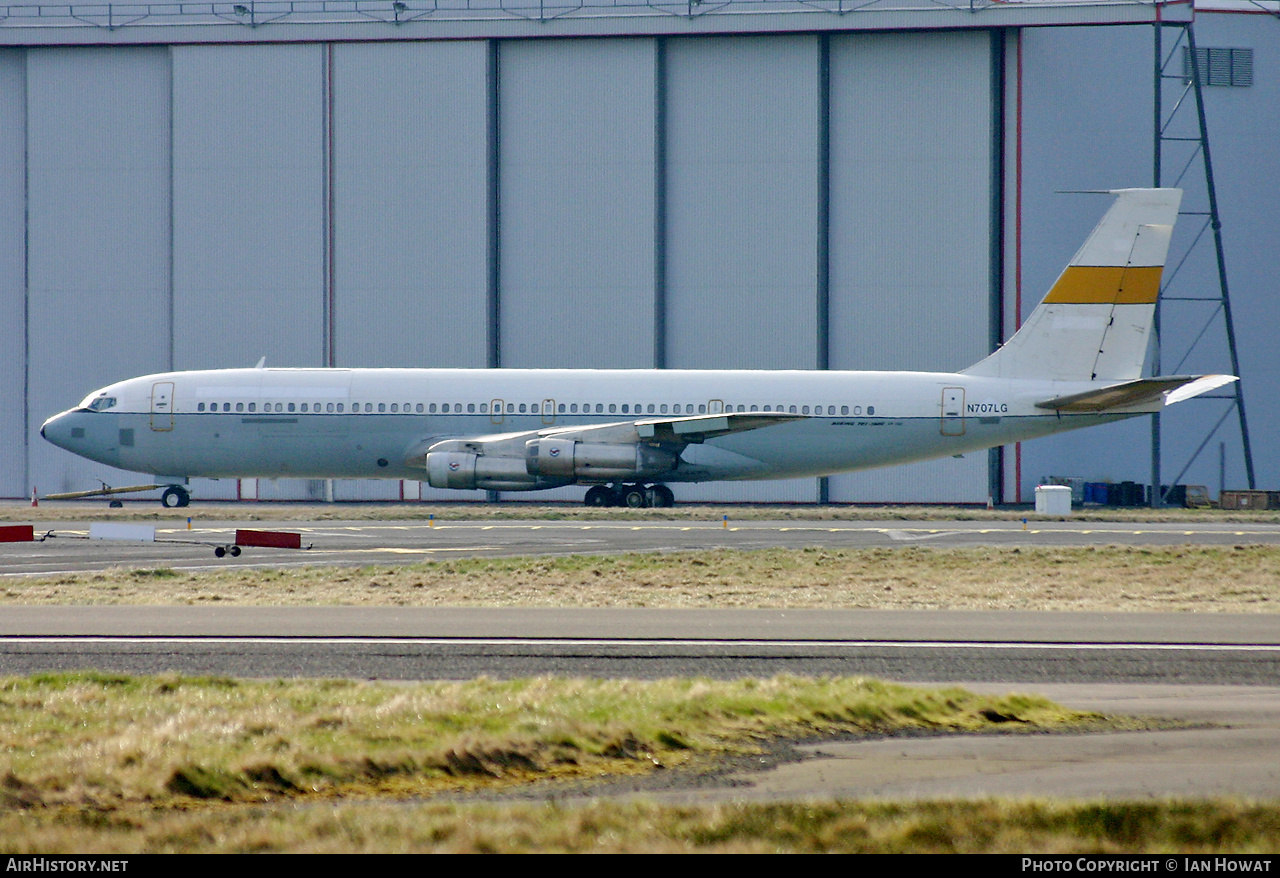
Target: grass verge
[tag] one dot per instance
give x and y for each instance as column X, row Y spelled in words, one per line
column 1236, row 579
column 129, row 765
column 995, row 826
column 104, row 741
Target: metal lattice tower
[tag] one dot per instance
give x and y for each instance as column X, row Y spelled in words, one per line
column 1191, row 148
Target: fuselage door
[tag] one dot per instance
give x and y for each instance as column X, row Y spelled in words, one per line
column 715, row 407
column 495, row 411
column 162, row 406
column 953, row 411
column 548, row 411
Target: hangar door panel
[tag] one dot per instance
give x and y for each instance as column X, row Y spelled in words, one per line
column 13, row 464
column 912, row 171
column 410, row 198
column 577, row 203
column 248, row 206
column 97, row 255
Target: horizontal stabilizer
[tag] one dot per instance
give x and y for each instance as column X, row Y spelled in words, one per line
column 1142, row 391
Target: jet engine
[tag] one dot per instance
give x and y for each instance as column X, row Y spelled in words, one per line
column 467, row 469
column 564, row 458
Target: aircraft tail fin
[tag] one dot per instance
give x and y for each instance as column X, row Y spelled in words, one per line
column 1095, row 323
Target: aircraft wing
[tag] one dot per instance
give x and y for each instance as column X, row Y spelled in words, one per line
column 670, row 434
column 691, row 428
column 1141, row 391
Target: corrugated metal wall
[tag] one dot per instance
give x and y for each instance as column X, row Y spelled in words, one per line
column 619, row 202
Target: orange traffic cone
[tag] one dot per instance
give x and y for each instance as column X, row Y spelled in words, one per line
column 34, row 501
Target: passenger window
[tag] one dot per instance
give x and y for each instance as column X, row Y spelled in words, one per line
column 574, row 408
column 533, row 407
column 844, row 410
column 599, row 407
column 702, row 409
column 200, row 407
column 382, row 407
column 432, row 408
column 471, row 408
column 292, row 407
column 792, row 409
column 239, row 406
column 226, row 406
column 624, row 408
column 561, row 408
column 395, row 407
column 484, row 408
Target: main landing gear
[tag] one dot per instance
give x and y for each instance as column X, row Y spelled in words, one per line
column 631, row 496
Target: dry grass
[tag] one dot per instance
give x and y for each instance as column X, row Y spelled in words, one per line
column 611, row 827
column 103, row 741
column 1035, row 827
column 1236, row 579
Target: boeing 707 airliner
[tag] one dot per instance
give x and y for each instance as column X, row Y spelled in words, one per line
column 1079, row 360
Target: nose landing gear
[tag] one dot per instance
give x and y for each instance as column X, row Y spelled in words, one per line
column 175, row 495
column 630, row 496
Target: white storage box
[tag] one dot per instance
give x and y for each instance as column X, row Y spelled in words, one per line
column 1053, row 499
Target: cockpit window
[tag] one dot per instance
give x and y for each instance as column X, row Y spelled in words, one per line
column 100, row 404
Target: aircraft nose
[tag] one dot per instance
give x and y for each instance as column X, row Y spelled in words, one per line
column 55, row 430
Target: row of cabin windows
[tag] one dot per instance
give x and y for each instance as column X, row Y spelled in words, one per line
column 513, row 408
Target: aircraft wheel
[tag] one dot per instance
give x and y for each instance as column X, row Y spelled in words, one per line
column 635, row 498
column 220, row 551
column 235, row 551
column 116, row 504
column 598, row 496
column 661, row 497
column 174, row 496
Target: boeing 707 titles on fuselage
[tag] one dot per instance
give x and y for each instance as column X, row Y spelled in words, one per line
column 1079, row 360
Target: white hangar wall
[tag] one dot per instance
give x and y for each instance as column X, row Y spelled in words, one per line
column 659, row 201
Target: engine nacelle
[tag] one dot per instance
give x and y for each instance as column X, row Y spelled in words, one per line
column 552, row 457
column 466, row 469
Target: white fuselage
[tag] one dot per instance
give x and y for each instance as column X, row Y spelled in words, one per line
column 374, row 423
